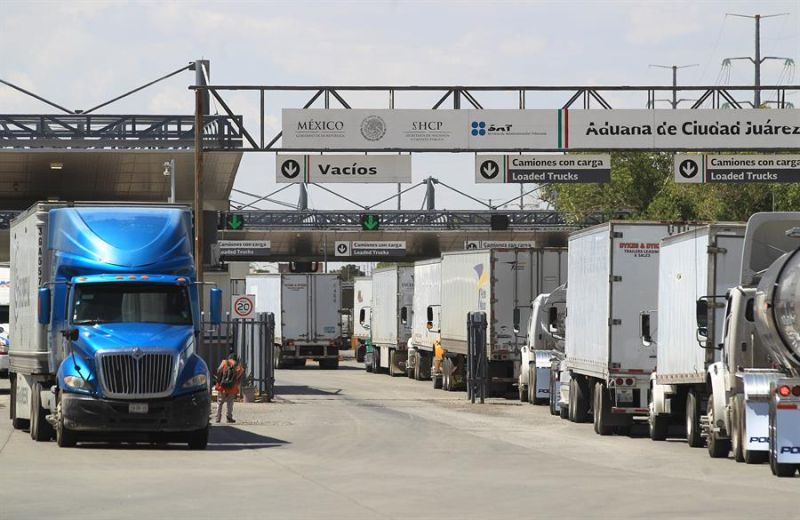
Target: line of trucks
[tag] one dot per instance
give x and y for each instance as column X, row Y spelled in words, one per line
column 690, row 329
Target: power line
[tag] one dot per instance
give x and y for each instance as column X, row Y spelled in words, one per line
column 674, row 69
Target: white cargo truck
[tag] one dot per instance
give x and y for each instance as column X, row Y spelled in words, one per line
column 307, row 316
column 425, row 317
column 390, row 326
column 502, row 283
column 613, row 275
column 754, row 403
column 362, row 300
column 701, row 263
column 544, row 347
column 5, row 285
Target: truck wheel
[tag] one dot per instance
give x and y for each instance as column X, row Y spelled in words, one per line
column 277, row 359
column 360, row 351
column 563, row 411
column 65, row 438
column 737, row 428
column 40, row 429
column 717, row 447
column 602, row 408
column 779, row 470
column 198, row 440
column 658, row 426
column 410, row 371
column 16, row 422
column 578, row 401
column 523, row 391
column 532, row 385
column 693, row 436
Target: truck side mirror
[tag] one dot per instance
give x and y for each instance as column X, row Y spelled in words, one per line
column 216, row 305
column 644, row 329
column 701, row 313
column 516, row 319
column 44, row 305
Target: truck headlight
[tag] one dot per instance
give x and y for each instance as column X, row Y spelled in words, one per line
column 77, row 383
column 194, row 381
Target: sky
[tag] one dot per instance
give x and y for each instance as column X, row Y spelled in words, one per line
column 79, row 54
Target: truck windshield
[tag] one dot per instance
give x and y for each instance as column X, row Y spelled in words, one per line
column 3, row 313
column 131, row 303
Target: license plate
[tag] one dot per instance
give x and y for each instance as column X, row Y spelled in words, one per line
column 138, row 408
column 624, row 395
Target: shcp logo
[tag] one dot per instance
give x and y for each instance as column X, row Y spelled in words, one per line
column 373, row 128
column 290, row 168
column 478, row 128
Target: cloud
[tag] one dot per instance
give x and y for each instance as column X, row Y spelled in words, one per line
column 652, row 24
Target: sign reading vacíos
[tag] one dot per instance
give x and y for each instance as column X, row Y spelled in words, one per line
column 343, row 168
column 538, row 130
column 542, row 168
column 698, row 168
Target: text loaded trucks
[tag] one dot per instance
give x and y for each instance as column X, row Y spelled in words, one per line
column 426, row 319
column 543, row 350
column 362, row 300
column 754, row 403
column 613, row 275
column 307, row 308
column 699, row 264
column 390, row 325
column 502, row 283
column 105, row 316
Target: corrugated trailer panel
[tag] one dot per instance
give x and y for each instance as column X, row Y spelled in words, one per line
column 326, row 292
column 427, row 293
column 703, row 262
column 392, row 290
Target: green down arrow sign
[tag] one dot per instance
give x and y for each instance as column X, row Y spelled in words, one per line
column 235, row 222
column 370, row 222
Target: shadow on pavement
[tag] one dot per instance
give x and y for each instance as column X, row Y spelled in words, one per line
column 284, row 390
column 231, row 438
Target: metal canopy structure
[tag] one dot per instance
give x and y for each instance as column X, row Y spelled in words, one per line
column 255, row 138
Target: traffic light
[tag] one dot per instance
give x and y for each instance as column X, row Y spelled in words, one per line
column 370, row 222
column 499, row 222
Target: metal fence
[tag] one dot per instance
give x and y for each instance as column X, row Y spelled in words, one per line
column 253, row 341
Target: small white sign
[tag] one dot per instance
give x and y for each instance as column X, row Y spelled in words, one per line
column 688, row 168
column 342, row 248
column 343, row 168
column 370, row 248
column 499, row 244
column 243, row 306
column 571, row 168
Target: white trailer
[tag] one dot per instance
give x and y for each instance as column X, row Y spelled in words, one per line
column 5, row 298
column 392, row 304
column 307, row 316
column 425, row 318
column 701, row 263
column 613, row 275
column 362, row 300
column 501, row 283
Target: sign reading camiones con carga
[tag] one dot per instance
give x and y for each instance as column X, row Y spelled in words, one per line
column 539, row 130
column 698, row 168
column 343, row 168
column 577, row 168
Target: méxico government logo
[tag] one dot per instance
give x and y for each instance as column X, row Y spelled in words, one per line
column 373, row 128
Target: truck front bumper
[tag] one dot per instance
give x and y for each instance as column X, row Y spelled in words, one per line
column 180, row 414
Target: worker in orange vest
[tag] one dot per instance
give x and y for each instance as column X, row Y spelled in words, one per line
column 229, row 375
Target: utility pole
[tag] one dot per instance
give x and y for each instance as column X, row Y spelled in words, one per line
column 674, row 68
column 201, row 107
column 758, row 60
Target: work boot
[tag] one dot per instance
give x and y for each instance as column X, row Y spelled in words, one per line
column 229, row 420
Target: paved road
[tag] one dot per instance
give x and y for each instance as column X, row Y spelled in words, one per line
column 352, row 445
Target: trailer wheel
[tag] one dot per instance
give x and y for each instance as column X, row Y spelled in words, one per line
column 360, row 352
column 277, row 359
column 658, row 426
column 737, row 428
column 779, row 470
column 578, row 401
column 693, row 436
column 602, row 408
column 446, row 374
column 40, row 429
column 16, row 422
column 65, row 438
column 717, row 447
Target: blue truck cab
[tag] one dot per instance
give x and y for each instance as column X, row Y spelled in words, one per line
column 107, row 317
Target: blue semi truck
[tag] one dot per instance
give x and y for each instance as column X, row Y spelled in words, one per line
column 105, row 318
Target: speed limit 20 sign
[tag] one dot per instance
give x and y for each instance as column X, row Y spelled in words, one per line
column 243, row 306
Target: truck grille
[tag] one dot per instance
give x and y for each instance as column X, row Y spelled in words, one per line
column 136, row 374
